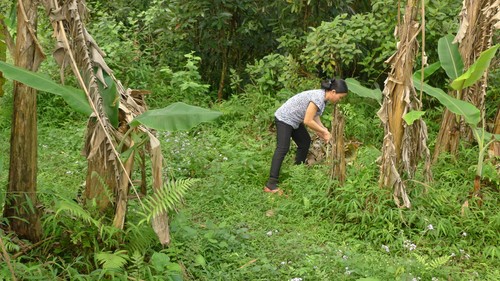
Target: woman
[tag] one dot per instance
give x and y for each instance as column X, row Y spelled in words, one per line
column 303, row 109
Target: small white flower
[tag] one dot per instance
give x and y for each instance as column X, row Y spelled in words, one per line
column 434, row 279
column 344, row 257
column 283, row 262
column 409, row 245
column 225, row 158
column 430, row 227
column 269, row 233
column 453, row 254
column 464, row 234
column 386, row 248
column 296, row 279
column 69, row 172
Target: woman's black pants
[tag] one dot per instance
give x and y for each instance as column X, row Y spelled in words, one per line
column 284, row 132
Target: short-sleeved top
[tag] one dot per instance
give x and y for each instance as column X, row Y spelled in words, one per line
column 293, row 111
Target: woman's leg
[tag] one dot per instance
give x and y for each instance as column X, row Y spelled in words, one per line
column 303, row 140
column 283, row 134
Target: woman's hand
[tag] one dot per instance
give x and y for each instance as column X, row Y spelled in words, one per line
column 325, row 135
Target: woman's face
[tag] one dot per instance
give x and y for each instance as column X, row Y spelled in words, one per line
column 335, row 97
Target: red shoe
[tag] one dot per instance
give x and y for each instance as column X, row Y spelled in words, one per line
column 277, row 190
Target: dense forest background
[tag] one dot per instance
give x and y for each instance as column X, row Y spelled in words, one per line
column 243, row 59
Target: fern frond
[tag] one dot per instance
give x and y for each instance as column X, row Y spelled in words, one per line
column 439, row 262
column 433, row 264
column 76, row 211
column 139, row 238
column 107, row 193
column 168, row 197
column 112, row 261
column 137, row 265
column 10, row 246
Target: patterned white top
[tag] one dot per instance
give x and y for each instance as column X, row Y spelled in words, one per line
column 293, row 111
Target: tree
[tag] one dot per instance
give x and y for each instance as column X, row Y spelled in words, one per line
column 404, row 144
column 495, row 148
column 21, row 200
column 474, row 36
column 3, row 50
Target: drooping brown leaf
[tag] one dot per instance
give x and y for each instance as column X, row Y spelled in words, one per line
column 160, row 222
column 478, row 19
column 403, row 144
column 77, row 48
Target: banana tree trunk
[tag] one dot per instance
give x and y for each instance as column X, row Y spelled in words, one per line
column 449, row 135
column 108, row 179
column 103, row 170
column 3, row 49
column 403, row 144
column 337, row 155
column 495, row 147
column 474, row 36
column 21, row 199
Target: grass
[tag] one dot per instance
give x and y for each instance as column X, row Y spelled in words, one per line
column 228, row 229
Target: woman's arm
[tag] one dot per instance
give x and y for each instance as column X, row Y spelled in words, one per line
column 317, row 119
column 312, row 121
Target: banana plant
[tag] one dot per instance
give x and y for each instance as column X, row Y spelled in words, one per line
column 177, row 116
column 338, row 170
column 451, row 63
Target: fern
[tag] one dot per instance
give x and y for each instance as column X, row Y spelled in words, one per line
column 112, row 261
column 433, row 264
column 168, row 197
column 76, row 211
column 438, row 262
column 10, row 246
column 105, row 188
column 139, row 238
column 137, row 265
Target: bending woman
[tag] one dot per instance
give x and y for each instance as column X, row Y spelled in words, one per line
column 303, row 109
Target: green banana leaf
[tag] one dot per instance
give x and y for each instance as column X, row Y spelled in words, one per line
column 471, row 114
column 476, row 70
column 450, row 58
column 486, row 135
column 358, row 89
column 413, row 116
column 110, row 99
column 74, row 97
column 175, row 117
column 428, row 71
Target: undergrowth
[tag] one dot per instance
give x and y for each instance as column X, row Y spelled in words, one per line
column 227, row 228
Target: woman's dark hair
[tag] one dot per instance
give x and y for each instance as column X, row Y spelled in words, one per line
column 339, row 85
